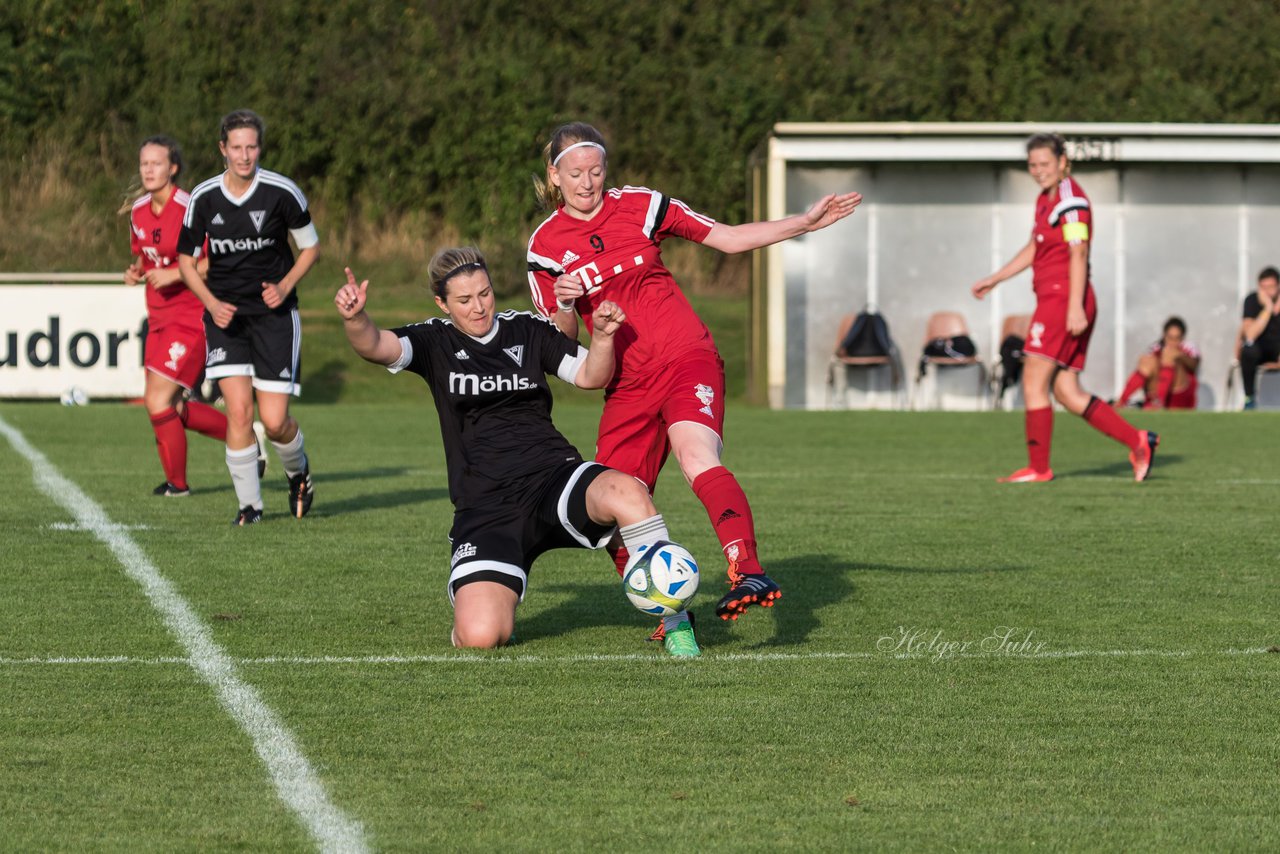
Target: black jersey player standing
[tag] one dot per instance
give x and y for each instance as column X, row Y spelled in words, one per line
column 254, row 336
column 518, row 487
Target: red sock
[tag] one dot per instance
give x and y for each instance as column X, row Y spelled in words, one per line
column 171, row 444
column 1039, row 427
column 1107, row 421
column 726, row 504
column 620, row 557
column 1136, row 381
column 205, row 420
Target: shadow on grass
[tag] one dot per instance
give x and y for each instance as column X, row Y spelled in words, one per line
column 377, row 501
column 1121, row 468
column 274, row 482
column 326, row 384
column 809, row 584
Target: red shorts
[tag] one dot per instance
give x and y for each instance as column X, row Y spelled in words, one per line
column 633, row 428
column 1048, row 337
column 176, row 353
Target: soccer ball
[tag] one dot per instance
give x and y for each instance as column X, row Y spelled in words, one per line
column 661, row 579
column 75, row 396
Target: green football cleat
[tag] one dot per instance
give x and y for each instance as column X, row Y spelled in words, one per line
column 680, row 642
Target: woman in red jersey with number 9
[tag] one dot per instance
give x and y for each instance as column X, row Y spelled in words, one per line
column 667, row 395
column 1066, row 308
column 175, row 331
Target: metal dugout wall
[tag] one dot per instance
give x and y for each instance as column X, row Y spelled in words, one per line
column 1184, row 218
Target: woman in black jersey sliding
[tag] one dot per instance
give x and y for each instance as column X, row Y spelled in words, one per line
column 518, row 487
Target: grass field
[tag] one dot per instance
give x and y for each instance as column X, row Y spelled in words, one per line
column 1115, row 692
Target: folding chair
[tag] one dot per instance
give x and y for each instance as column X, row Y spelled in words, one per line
column 863, row 378
column 953, row 381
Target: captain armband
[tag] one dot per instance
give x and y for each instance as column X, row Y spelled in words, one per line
column 1075, row 232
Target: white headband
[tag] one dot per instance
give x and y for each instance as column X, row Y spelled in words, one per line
column 577, row 145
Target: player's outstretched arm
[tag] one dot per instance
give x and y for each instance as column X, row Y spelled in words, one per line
column 371, row 343
column 597, row 368
column 1016, row 265
column 827, row 210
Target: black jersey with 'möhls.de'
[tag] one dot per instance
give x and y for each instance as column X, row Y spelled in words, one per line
column 248, row 236
column 493, row 398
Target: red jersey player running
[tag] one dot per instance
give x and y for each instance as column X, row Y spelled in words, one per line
column 175, row 331
column 667, row 395
column 1066, row 308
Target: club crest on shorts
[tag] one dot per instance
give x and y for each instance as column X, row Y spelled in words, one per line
column 1037, row 330
column 463, row 551
column 176, row 351
column 706, row 395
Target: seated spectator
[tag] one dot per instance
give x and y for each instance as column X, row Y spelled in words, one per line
column 1167, row 371
column 1259, row 339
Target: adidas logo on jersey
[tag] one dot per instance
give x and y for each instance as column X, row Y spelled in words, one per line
column 569, row 258
column 217, row 220
column 461, row 354
column 475, row 384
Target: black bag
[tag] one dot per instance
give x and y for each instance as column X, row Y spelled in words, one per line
column 959, row 347
column 1011, row 357
column 868, row 337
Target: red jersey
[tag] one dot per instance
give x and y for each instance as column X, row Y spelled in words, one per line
column 616, row 254
column 1063, row 218
column 155, row 240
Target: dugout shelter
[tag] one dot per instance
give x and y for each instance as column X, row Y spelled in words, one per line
column 1185, row 215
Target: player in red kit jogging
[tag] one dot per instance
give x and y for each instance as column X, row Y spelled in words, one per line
column 667, row 395
column 175, row 331
column 1066, row 308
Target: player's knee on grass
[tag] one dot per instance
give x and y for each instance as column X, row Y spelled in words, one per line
column 484, row 615
column 472, row 636
column 617, row 498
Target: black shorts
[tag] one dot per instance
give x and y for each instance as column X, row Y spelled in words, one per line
column 267, row 347
column 499, row 542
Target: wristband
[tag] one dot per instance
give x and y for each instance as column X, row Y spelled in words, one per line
column 564, row 306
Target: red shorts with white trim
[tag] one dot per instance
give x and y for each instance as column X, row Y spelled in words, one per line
column 633, row 427
column 176, row 353
column 1048, row 337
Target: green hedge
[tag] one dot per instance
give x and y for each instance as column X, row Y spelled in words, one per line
column 440, row 109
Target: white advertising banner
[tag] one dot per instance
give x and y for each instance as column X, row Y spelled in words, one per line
column 57, row 337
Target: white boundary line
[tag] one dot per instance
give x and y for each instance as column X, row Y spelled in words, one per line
column 295, row 781
column 316, row 660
